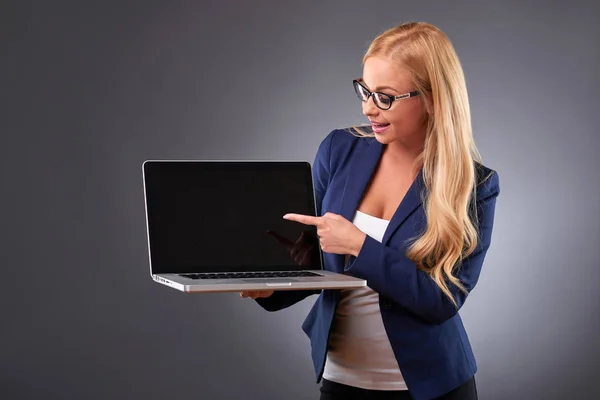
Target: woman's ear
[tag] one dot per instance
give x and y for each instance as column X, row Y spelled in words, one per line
column 426, row 100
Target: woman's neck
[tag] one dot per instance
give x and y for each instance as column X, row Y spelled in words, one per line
column 403, row 154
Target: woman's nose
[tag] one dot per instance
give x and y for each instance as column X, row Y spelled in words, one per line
column 369, row 108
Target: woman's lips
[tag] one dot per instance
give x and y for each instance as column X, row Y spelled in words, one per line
column 379, row 127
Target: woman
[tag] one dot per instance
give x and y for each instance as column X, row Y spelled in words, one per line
column 408, row 206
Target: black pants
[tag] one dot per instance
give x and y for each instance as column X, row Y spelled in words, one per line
column 337, row 391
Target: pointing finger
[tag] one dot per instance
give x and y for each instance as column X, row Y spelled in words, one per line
column 332, row 215
column 303, row 219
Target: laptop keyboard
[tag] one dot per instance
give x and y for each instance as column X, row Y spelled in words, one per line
column 246, row 275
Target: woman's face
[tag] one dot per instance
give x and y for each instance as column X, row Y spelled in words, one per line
column 406, row 118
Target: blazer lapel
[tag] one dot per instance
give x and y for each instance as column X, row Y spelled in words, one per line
column 412, row 199
column 359, row 175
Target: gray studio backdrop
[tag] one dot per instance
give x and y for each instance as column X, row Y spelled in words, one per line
column 91, row 89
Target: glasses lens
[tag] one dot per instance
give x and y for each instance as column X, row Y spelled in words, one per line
column 382, row 101
column 361, row 92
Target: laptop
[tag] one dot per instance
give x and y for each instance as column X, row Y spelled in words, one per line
column 217, row 226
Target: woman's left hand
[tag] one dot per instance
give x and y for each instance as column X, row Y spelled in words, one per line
column 337, row 235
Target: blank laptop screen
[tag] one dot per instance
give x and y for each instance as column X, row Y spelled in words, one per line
column 216, row 216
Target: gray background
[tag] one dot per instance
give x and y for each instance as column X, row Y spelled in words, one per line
column 90, row 90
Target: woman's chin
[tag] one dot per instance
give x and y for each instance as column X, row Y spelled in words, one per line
column 384, row 138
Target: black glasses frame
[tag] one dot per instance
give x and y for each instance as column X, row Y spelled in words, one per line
column 359, row 81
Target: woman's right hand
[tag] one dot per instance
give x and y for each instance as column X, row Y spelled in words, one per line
column 255, row 294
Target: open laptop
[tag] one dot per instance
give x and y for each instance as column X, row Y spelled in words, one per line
column 217, row 226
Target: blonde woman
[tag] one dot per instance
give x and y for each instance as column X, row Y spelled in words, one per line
column 406, row 204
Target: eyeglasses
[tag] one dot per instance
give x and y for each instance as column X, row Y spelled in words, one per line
column 381, row 100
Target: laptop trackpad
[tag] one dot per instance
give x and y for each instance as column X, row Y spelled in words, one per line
column 273, row 281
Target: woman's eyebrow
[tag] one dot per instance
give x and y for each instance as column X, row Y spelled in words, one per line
column 384, row 87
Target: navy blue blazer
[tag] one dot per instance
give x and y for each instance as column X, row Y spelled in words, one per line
column 424, row 328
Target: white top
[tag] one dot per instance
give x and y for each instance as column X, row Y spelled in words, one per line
column 359, row 351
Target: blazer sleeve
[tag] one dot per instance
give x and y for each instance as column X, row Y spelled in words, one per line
column 321, row 168
column 393, row 275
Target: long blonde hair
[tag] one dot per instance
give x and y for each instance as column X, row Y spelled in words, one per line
column 449, row 151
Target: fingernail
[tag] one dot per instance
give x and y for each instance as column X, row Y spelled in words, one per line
column 286, row 216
